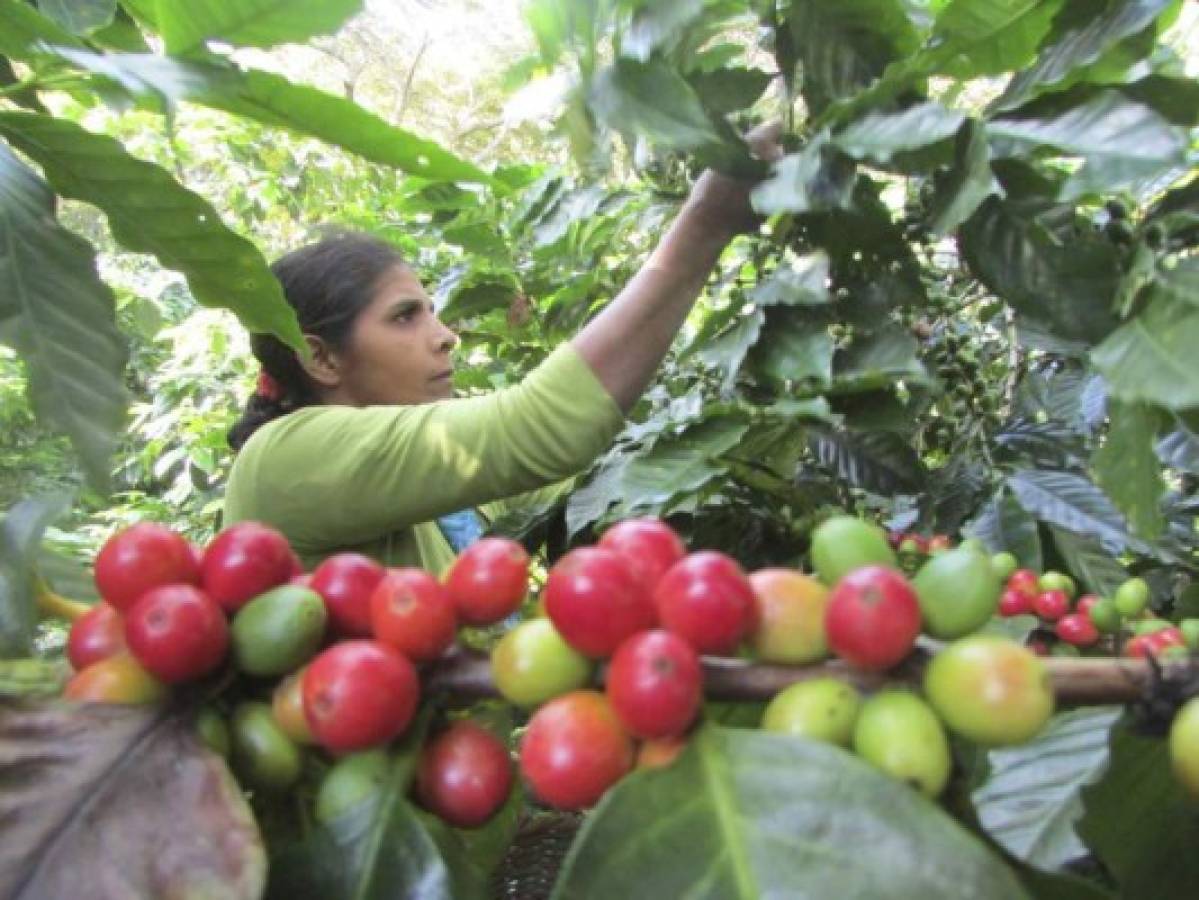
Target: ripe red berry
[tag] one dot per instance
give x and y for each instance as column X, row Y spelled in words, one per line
column 143, row 556
column 98, row 634
column 1051, row 605
column 1077, row 629
column 707, row 599
column 412, row 611
column 345, row 582
column 872, row 618
column 574, row 749
column 243, row 561
column 465, row 775
column 359, row 694
column 177, row 632
column 1025, row 581
column 488, row 580
column 655, row 684
column 649, row 546
column 1014, row 603
column 1084, row 604
column 595, row 602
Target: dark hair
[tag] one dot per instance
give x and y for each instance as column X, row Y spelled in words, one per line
column 328, row 284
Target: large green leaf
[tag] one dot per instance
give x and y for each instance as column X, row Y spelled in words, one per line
column 1099, row 572
column 59, row 316
column 1141, row 824
column 989, row 37
column 680, row 464
column 1032, row 796
column 818, row 177
column 969, row 183
column 379, row 848
column 79, row 16
column 882, row 462
column 652, row 100
column 185, row 27
column 1127, row 467
column 880, row 136
column 743, row 815
column 22, row 27
column 795, row 349
column 1151, row 358
column 1124, row 143
column 726, row 350
column 1005, row 525
column 150, row 212
column 729, row 90
column 1064, row 287
column 843, row 46
column 1070, row 501
column 20, row 537
column 111, row 801
column 876, row 360
column 273, row 100
column 1084, row 43
column 658, row 25
column 801, row 281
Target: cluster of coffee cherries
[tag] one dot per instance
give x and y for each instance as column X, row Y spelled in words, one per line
column 1070, row 623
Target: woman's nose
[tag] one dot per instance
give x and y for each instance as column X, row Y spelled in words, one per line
column 447, row 339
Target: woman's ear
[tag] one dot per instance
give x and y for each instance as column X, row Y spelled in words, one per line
column 322, row 364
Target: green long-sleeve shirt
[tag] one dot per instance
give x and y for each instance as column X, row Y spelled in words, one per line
column 374, row 479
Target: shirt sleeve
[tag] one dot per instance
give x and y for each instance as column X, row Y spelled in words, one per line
column 338, row 475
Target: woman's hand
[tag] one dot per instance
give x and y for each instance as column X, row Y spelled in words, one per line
column 720, row 203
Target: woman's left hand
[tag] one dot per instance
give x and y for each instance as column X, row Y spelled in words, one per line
column 720, row 203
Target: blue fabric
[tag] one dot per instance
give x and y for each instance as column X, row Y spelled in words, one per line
column 461, row 529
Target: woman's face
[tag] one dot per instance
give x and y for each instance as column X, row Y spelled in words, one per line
column 399, row 351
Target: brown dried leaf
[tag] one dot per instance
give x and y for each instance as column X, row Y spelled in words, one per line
column 112, row 802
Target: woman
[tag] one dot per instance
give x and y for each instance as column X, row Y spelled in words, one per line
column 362, row 448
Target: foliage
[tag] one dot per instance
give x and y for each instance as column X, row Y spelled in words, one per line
column 971, row 305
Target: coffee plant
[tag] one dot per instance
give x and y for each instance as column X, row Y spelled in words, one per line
column 964, row 323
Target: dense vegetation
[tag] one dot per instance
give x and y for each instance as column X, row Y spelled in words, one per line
column 971, row 308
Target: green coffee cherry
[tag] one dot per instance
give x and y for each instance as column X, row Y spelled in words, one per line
column 1132, row 597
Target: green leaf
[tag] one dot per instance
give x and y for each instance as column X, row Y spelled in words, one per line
column 658, row 25
column 745, row 814
column 842, row 47
column 1032, row 799
column 1093, row 35
column 1098, row 570
column 79, row 16
column 1066, row 287
column 729, row 90
column 798, row 281
column 1070, row 501
column 1005, row 525
column 185, row 27
column 818, row 177
column 989, row 37
column 881, row 462
column 726, row 351
column 652, row 100
column 969, row 183
column 1151, row 358
column 472, row 290
column 60, row 317
column 379, row 848
column 150, row 212
column 794, row 349
column 879, row 136
column 1128, row 470
column 21, row 27
column 1180, row 448
column 92, row 803
column 679, row 465
column 876, row 360
column 273, row 100
column 1141, row 824
column 20, row 539
column 1124, row 143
